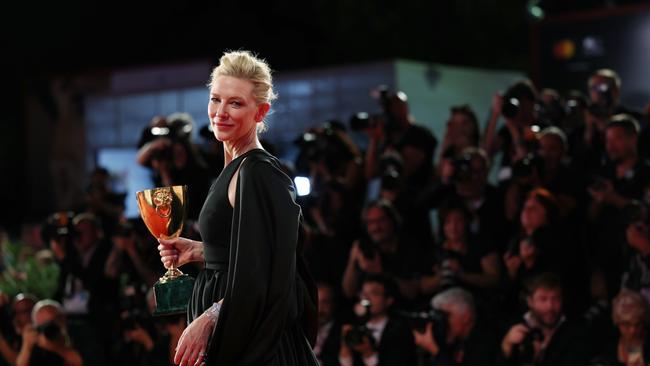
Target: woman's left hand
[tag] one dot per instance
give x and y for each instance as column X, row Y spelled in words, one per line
column 192, row 346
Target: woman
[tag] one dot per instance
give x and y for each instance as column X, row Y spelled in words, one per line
column 534, row 250
column 631, row 314
column 253, row 303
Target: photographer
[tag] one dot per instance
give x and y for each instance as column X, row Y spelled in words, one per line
column 548, row 167
column 379, row 339
column 396, row 129
column 517, row 106
column 462, row 130
column 462, row 341
column 460, row 259
column 637, row 234
column 46, row 341
column 623, row 177
column 127, row 260
column 536, row 249
column 604, row 88
column 11, row 330
column 384, row 251
column 465, row 179
column 175, row 160
column 544, row 336
column 137, row 341
column 102, row 201
column 327, row 153
column 88, row 295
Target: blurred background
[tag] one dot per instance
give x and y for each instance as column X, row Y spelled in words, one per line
column 82, row 81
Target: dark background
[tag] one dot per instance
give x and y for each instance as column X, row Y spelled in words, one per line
column 41, row 41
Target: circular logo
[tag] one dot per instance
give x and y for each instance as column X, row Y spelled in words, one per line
column 162, row 199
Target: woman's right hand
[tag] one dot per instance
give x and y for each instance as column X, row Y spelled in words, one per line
column 179, row 251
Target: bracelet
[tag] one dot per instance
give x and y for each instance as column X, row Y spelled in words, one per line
column 213, row 311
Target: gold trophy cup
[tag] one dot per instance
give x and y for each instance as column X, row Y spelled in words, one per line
column 163, row 210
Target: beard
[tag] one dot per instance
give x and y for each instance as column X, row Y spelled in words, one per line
column 548, row 319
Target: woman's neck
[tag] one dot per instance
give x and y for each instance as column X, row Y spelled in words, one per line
column 234, row 149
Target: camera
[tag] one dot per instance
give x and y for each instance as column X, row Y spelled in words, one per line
column 177, row 128
column 363, row 120
column 525, row 167
column 448, row 275
column 51, row 330
column 368, row 247
column 359, row 331
column 527, row 348
column 390, row 167
column 511, row 106
column 322, row 144
column 604, row 105
column 419, row 319
column 58, row 226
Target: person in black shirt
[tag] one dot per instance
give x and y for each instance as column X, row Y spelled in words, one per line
column 386, row 251
column 46, row 341
column 460, row 258
column 545, row 336
column 465, row 341
column 622, row 178
column 385, row 339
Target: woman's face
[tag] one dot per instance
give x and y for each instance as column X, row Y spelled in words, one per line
column 533, row 215
column 233, row 110
column 455, row 226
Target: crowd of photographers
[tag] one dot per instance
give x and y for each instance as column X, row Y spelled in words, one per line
column 525, row 242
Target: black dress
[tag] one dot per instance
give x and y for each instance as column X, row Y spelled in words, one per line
column 253, row 263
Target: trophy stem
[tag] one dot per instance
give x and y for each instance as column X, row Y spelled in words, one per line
column 171, row 274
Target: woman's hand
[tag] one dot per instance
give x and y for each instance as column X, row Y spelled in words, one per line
column 193, row 343
column 179, row 251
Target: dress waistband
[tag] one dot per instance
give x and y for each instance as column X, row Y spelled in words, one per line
column 216, row 266
column 216, row 256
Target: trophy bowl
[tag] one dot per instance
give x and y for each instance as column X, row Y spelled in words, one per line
column 163, row 210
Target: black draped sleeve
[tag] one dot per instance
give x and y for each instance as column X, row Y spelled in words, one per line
column 265, row 291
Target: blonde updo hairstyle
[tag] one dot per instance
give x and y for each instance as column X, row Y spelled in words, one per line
column 244, row 65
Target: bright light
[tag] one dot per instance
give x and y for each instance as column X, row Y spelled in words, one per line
column 537, row 12
column 302, row 185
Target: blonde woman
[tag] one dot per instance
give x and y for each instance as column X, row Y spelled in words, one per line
column 630, row 314
column 254, row 303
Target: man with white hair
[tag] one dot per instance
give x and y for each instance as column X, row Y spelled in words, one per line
column 45, row 341
column 463, row 342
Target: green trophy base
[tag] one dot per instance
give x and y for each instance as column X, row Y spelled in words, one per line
column 172, row 295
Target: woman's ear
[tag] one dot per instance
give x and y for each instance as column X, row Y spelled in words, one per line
column 262, row 111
